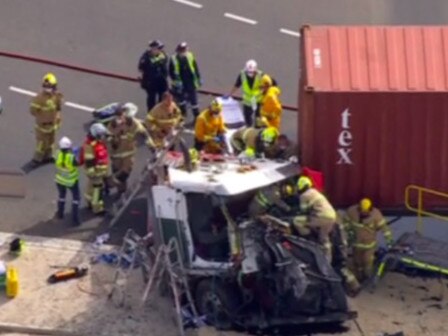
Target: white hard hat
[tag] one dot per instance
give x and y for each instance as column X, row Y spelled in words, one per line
column 97, row 130
column 131, row 109
column 65, row 143
column 251, row 66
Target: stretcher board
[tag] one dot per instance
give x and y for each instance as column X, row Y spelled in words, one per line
column 12, row 184
column 415, row 252
column 233, row 118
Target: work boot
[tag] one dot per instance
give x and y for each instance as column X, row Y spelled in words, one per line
column 60, row 211
column 75, row 215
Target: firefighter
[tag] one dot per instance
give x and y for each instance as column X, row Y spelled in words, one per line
column 365, row 221
column 268, row 198
column 162, row 119
column 209, row 132
column 67, row 177
column 95, row 158
column 270, row 106
column 186, row 79
column 249, row 80
column 46, row 109
column 340, row 258
column 153, row 67
column 123, row 130
column 252, row 142
column 320, row 214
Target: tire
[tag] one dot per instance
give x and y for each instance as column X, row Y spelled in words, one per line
column 217, row 301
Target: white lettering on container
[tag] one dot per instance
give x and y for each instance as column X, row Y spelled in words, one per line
column 345, row 139
column 317, row 58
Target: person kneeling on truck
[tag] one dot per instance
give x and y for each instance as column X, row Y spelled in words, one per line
column 253, row 142
column 210, row 130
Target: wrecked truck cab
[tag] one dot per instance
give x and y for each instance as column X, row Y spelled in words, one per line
column 242, row 272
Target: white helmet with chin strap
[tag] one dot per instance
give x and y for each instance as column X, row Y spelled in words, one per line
column 251, row 66
column 98, row 130
column 65, row 143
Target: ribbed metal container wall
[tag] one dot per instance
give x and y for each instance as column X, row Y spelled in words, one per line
column 373, row 110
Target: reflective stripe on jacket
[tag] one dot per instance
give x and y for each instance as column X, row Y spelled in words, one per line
column 251, row 94
column 191, row 61
column 67, row 173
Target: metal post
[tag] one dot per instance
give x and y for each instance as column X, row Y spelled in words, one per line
column 419, row 211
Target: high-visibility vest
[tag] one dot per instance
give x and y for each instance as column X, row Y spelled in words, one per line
column 67, row 173
column 190, row 60
column 251, row 94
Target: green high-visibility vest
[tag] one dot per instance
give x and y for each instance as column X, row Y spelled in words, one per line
column 190, row 60
column 67, row 173
column 250, row 94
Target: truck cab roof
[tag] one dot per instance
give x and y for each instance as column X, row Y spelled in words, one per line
column 230, row 177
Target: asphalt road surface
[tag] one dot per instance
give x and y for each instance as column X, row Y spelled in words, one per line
column 111, row 34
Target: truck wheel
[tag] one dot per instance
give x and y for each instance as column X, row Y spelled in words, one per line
column 218, row 302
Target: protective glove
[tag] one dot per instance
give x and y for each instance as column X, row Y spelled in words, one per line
column 225, row 97
column 293, row 159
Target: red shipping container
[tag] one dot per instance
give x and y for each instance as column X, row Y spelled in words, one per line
column 373, row 110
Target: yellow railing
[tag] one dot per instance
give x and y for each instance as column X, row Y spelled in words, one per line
column 419, row 210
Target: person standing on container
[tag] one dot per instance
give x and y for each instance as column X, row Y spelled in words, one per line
column 363, row 221
column 249, row 80
column 153, row 67
column 67, row 177
column 186, row 79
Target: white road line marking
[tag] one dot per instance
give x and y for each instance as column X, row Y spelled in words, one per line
column 189, row 3
column 34, row 94
column 240, row 18
column 289, row 32
column 79, row 107
column 22, row 91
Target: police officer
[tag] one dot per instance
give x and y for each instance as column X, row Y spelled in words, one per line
column 364, row 221
column 153, row 67
column 67, row 177
column 186, row 78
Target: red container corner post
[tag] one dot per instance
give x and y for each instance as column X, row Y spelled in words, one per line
column 373, row 110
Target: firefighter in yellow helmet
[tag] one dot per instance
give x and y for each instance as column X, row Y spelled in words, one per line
column 320, row 214
column 254, row 142
column 364, row 221
column 270, row 107
column 209, row 130
column 46, row 109
column 163, row 119
column 123, row 131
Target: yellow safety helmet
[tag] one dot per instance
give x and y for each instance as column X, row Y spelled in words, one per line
column 288, row 189
column 304, row 182
column 49, row 79
column 269, row 135
column 215, row 106
column 365, row 205
column 250, row 152
column 266, row 80
column 194, row 155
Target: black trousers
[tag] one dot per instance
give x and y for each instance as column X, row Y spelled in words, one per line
column 249, row 114
column 154, row 94
column 76, row 197
column 188, row 95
